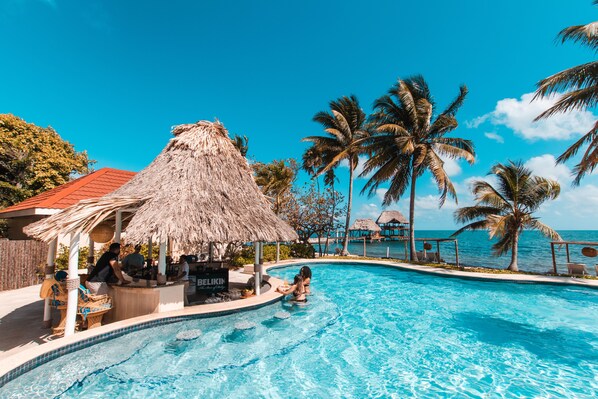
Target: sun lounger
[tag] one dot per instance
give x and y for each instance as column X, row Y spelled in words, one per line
column 577, row 269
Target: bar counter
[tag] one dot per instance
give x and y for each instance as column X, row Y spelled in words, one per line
column 138, row 299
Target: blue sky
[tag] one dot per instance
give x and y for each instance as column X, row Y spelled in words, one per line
column 113, row 77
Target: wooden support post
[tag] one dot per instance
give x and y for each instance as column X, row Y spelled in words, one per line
column 568, row 257
column 405, row 245
column 457, row 253
column 553, row 258
column 438, row 251
column 364, row 250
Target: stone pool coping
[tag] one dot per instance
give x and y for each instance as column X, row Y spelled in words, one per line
column 28, row 359
column 22, row 362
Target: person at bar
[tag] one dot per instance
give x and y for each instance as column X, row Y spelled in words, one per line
column 107, row 270
column 133, row 263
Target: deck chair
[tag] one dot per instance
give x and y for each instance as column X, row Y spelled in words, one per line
column 577, row 269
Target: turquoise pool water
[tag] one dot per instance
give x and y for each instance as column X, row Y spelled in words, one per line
column 367, row 331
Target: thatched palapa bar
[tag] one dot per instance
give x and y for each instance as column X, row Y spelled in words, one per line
column 198, row 190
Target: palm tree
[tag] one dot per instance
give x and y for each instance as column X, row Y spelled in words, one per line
column 241, row 143
column 276, row 180
column 507, row 208
column 346, row 129
column 581, row 85
column 410, row 139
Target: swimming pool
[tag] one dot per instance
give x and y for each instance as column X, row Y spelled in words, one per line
column 367, row 331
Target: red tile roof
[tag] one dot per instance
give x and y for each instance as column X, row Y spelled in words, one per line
column 93, row 185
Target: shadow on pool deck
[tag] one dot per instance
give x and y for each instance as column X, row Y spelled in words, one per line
column 567, row 345
column 23, row 328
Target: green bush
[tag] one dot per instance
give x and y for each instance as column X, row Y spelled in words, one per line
column 302, row 250
column 62, row 260
column 247, row 254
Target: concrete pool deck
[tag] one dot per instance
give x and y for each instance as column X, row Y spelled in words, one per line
column 23, row 338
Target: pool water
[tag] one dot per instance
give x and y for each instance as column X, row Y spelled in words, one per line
column 367, row 331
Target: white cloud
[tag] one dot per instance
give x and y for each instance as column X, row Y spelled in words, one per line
column 367, row 211
column 451, row 167
column 519, row 115
column 581, row 201
column 545, row 166
column 380, row 193
column 494, row 136
column 359, row 169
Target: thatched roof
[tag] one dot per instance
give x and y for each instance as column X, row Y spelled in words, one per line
column 199, row 189
column 391, row 217
column 365, row 224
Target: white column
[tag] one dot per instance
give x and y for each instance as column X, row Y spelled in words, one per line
column 72, row 285
column 162, row 257
column 49, row 274
column 257, row 269
column 118, row 226
column 277, row 251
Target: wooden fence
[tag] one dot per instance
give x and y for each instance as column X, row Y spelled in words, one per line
column 21, row 262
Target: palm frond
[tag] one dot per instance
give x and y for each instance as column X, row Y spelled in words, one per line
column 479, row 225
column 579, row 99
column 547, row 231
column 454, row 106
column 584, row 34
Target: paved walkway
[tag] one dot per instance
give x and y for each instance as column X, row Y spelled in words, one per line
column 21, row 320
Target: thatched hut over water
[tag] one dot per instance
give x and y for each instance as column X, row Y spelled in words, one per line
column 365, row 228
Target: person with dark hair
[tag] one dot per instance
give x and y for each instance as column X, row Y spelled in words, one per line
column 133, row 263
column 305, row 272
column 107, row 270
column 296, row 289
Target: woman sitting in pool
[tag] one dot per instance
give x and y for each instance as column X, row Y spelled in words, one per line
column 296, row 289
column 305, row 273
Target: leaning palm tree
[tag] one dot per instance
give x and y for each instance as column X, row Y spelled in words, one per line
column 346, row 129
column 507, row 208
column 581, row 86
column 409, row 140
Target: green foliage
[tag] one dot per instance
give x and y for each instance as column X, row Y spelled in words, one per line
column 276, row 179
column 34, row 159
column 303, row 250
column 62, row 258
column 247, row 254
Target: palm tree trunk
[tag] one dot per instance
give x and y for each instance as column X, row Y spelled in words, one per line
column 412, row 249
column 350, row 201
column 513, row 265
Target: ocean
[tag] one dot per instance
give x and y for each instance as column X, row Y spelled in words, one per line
column 475, row 249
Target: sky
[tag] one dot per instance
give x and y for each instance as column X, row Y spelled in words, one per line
column 113, row 77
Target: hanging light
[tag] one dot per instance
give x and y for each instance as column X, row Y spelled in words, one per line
column 102, row 233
